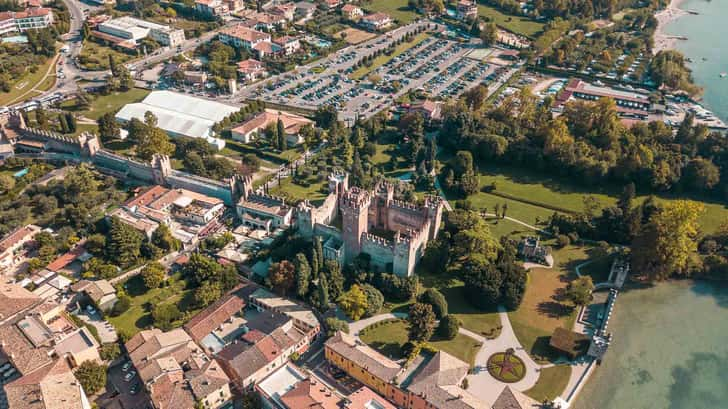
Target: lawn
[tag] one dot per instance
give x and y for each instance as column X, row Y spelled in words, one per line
column 519, row 25
column 138, row 316
column 354, row 35
column 598, row 269
column 95, row 57
column 531, row 194
column 551, row 383
column 389, row 337
column 27, row 82
column 107, row 103
column 544, row 307
column 384, row 58
column 398, row 9
column 316, row 192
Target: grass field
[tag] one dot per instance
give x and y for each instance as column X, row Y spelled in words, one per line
column 551, row 383
column 314, row 192
column 519, row 25
column 138, row 316
column 107, row 103
column 27, row 82
column 354, row 35
column 544, row 307
column 95, row 57
column 560, row 193
column 398, row 9
column 384, row 58
column 388, row 338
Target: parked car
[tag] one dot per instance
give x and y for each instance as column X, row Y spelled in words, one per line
column 129, row 376
column 126, row 366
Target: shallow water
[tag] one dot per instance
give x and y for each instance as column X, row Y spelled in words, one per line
column 670, row 350
column 707, row 34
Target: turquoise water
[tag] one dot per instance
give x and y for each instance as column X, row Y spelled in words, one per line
column 670, row 350
column 707, row 34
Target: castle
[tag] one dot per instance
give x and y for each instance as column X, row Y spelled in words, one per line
column 393, row 233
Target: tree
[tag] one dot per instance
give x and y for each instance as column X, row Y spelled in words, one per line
column 489, row 34
column 702, row 174
column 71, row 122
column 108, row 127
column 153, row 275
column 353, row 302
column 333, row 325
column 162, row 238
column 449, row 327
column 303, row 274
column 92, row 376
column 665, row 244
column 335, row 278
column 123, row 244
column 154, row 141
column 579, row 290
column 109, row 351
column 482, row 281
column 281, row 135
column 164, row 316
column 122, row 304
column 7, row 182
column 63, row 124
column 282, row 276
column 421, row 322
column 434, row 298
column 375, row 300
column 323, row 294
column 207, row 293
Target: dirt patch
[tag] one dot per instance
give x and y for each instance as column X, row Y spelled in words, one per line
column 354, row 35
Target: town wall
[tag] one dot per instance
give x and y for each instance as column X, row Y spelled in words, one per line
column 380, row 250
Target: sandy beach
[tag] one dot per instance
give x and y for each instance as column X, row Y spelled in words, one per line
column 664, row 41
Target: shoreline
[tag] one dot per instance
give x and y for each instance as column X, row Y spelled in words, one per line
column 663, row 40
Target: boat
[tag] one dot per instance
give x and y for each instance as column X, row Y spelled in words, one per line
column 723, row 74
column 705, row 58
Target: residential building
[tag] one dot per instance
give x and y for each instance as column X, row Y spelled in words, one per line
column 289, row 44
column 261, row 211
column 331, row 4
column 267, row 48
column 264, row 20
column 100, row 292
column 305, row 10
column 51, row 387
column 79, row 347
column 254, row 127
column 13, row 245
column 15, row 300
column 430, row 110
column 285, row 10
column 176, row 372
column 376, row 21
column 212, row 7
column 629, row 103
column 252, row 70
column 466, row 10
column 352, row 12
column 30, row 19
column 130, row 30
column 242, row 37
column 303, row 318
column 198, row 78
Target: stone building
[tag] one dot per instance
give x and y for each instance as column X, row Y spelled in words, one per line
column 393, row 233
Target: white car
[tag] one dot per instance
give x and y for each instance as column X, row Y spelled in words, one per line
column 129, row 376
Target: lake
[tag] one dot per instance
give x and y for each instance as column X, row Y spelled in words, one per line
column 670, row 350
column 707, row 33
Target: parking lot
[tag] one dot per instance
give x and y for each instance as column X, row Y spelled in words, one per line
column 437, row 65
column 123, row 385
column 336, row 378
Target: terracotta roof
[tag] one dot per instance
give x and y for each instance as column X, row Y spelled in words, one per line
column 376, row 17
column 439, row 382
column 363, row 398
column 245, row 34
column 266, row 47
column 348, row 8
column 20, row 351
column 291, row 122
column 310, row 394
column 18, row 235
column 213, row 316
column 207, row 379
column 510, row 399
column 242, row 358
column 169, row 392
column 250, row 65
column 66, row 259
column 14, row 299
column 364, row 356
column 50, row 387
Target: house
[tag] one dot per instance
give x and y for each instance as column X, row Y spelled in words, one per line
column 376, row 21
column 130, row 30
column 235, row 5
column 100, row 292
column 254, row 127
column 251, row 70
column 430, row 110
column 176, row 372
column 30, row 19
column 77, row 253
column 240, row 36
column 267, row 48
column 352, row 12
column 466, row 10
column 14, row 300
column 513, row 399
column 303, row 318
column 289, row 44
column 264, row 20
column 79, row 347
column 212, row 7
column 305, row 10
column 285, row 10
column 12, row 246
column 52, row 386
column 331, row 4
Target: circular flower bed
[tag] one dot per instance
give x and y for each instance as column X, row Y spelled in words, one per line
column 506, row 367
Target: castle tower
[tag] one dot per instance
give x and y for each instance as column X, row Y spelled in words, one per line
column 355, row 214
column 241, row 187
column 433, row 211
column 304, row 219
column 405, row 255
column 338, row 183
column 161, row 168
column 384, row 195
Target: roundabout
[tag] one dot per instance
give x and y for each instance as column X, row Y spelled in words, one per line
column 506, row 366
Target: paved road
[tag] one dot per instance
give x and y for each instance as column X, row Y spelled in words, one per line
column 357, row 326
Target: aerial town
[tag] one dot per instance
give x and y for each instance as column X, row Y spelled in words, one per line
column 361, row 204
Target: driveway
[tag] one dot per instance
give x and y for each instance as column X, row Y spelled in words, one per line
column 356, row 327
column 118, row 389
column 107, row 333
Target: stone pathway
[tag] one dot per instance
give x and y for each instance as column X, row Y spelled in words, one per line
column 357, row 326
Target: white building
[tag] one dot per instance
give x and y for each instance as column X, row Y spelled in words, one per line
column 130, row 28
column 30, row 19
column 242, row 37
column 180, row 114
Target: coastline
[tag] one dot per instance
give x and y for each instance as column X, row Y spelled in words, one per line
column 672, row 12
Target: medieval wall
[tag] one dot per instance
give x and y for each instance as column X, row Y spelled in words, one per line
column 123, row 167
column 205, row 186
column 380, row 250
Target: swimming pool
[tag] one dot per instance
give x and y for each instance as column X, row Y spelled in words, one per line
column 20, row 173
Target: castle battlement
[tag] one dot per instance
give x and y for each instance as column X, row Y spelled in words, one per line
column 405, row 205
column 379, row 241
column 433, row 202
column 356, row 198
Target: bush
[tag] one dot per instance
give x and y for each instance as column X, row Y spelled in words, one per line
column 563, row 240
column 92, row 377
column 438, row 302
column 109, row 351
column 334, row 324
column 375, row 300
column 123, row 303
column 449, row 327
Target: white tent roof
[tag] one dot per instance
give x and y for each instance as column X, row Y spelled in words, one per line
column 179, row 114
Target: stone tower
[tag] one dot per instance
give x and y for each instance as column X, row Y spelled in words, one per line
column 355, row 214
column 433, row 211
column 161, row 169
